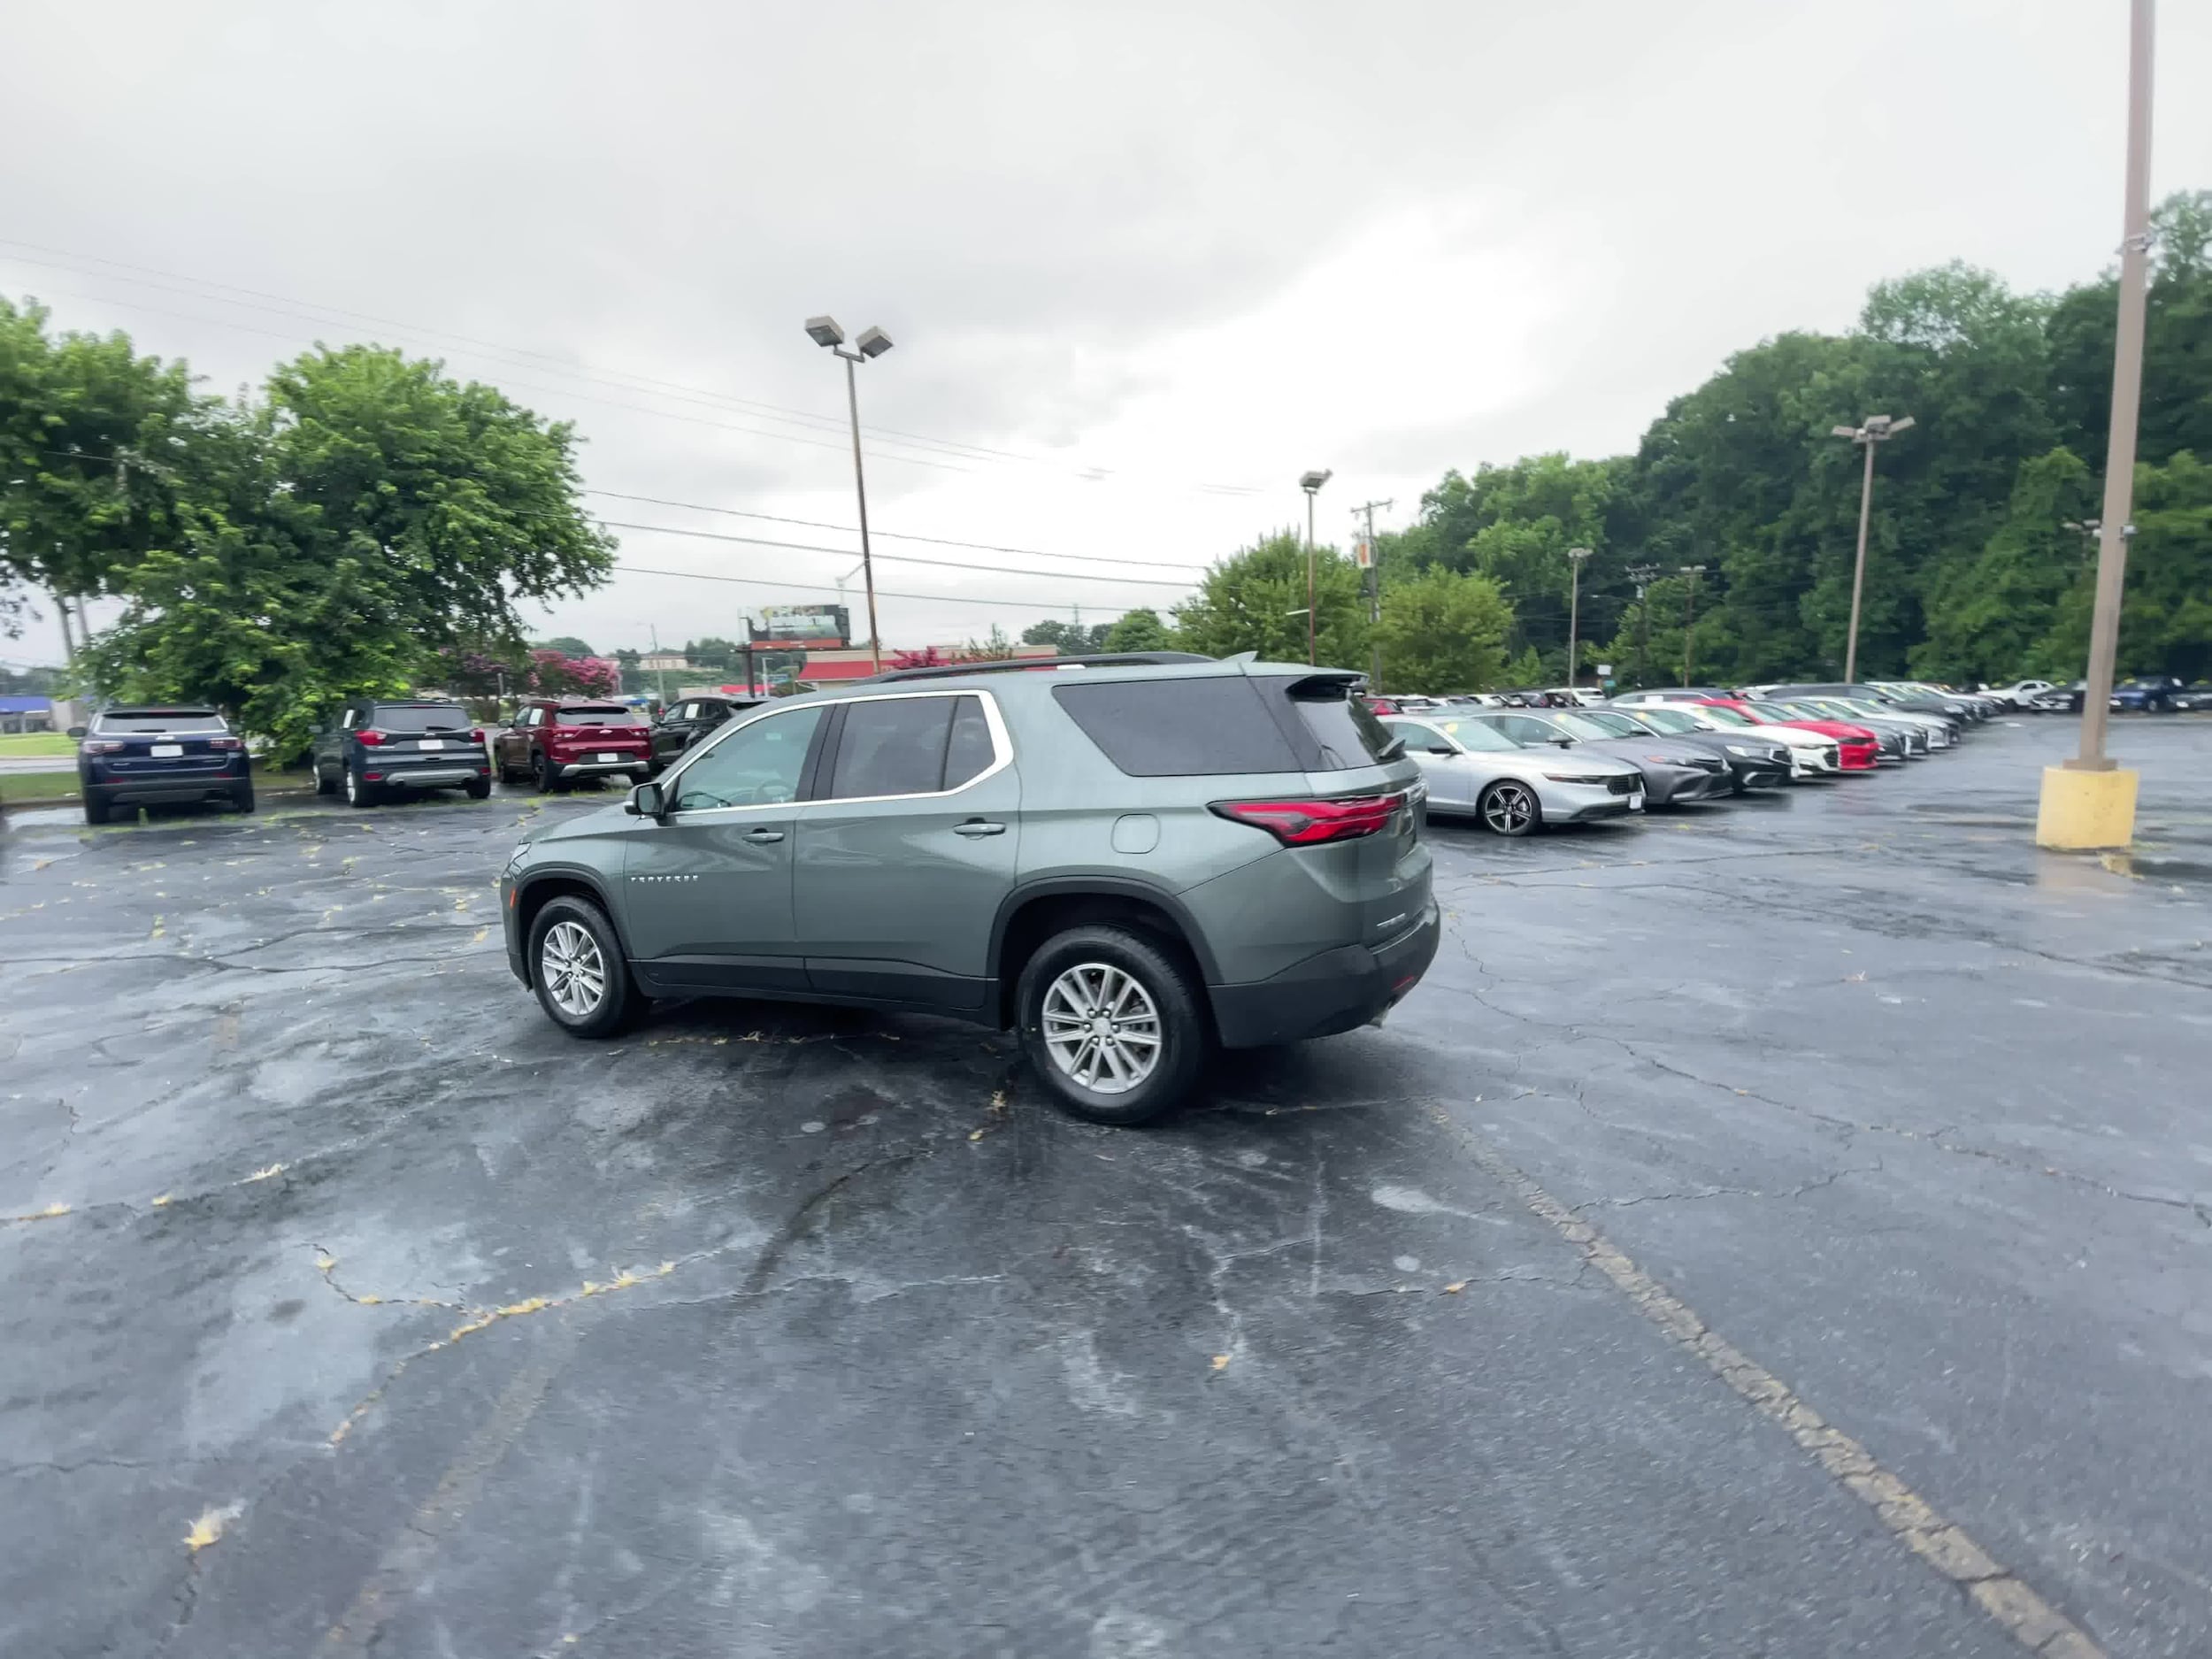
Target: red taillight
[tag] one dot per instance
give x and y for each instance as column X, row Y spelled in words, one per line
column 370, row 738
column 1311, row 822
column 476, row 735
column 225, row 742
column 101, row 746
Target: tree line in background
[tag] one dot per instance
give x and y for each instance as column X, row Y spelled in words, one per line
column 361, row 524
column 1972, row 571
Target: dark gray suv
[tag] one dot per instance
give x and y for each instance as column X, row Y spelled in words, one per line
column 1128, row 859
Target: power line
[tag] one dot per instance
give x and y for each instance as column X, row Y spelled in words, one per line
column 804, row 587
column 205, row 288
column 903, row 559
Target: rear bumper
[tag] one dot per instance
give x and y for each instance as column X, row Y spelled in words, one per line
column 426, row 777
column 629, row 765
column 1336, row 991
column 150, row 788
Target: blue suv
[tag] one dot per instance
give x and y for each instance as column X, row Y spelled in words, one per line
column 142, row 755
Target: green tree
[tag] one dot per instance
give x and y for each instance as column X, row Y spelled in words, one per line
column 720, row 655
column 1443, row 631
column 368, row 515
column 567, row 645
column 1255, row 601
column 89, row 432
column 1070, row 639
column 1986, row 617
column 1139, row 630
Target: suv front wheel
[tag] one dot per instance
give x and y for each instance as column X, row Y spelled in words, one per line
column 577, row 969
column 1111, row 1024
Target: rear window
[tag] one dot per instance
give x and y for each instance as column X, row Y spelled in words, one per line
column 1348, row 733
column 1181, row 728
column 420, row 716
column 893, row 746
column 187, row 720
column 595, row 715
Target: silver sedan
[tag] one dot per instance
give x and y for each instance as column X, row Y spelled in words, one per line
column 1474, row 771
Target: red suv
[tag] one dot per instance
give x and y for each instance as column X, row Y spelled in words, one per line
column 556, row 741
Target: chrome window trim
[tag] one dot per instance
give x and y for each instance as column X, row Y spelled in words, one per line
column 1001, row 754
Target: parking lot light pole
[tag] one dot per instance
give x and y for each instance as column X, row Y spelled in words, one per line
column 1575, row 555
column 1312, row 483
column 1689, row 617
column 1876, row 429
column 2089, row 802
column 873, row 343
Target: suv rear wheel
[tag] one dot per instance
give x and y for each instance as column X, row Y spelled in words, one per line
column 357, row 793
column 1111, row 1024
column 577, row 968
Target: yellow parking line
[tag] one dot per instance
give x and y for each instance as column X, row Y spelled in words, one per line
column 2030, row 1620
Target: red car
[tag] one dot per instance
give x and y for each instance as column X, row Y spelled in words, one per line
column 1857, row 750
column 556, row 741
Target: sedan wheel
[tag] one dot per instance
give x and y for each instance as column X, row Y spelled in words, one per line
column 1510, row 809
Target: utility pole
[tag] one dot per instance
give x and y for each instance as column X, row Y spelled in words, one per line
column 1641, row 575
column 1876, row 429
column 1373, row 562
column 2088, row 801
column 1575, row 555
column 1689, row 619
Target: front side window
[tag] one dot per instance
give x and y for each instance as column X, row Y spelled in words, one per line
column 758, row 764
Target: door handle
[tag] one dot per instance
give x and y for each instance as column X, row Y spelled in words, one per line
column 976, row 827
column 762, row 837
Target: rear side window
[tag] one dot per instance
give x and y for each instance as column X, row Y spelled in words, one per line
column 968, row 753
column 895, row 746
column 1180, row 728
column 419, row 716
column 193, row 721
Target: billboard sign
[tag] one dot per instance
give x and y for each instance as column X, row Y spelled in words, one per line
column 812, row 623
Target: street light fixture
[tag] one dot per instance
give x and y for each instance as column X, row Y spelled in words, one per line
column 1877, row 429
column 1575, row 555
column 1311, row 481
column 873, row 343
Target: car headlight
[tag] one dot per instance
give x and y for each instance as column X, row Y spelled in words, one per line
column 1574, row 777
column 1745, row 750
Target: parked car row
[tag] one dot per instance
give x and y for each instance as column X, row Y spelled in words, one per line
column 1513, row 771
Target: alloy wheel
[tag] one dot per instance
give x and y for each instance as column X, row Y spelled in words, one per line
column 575, row 972
column 1509, row 809
column 1101, row 1028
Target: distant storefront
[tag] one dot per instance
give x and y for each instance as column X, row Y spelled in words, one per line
column 25, row 714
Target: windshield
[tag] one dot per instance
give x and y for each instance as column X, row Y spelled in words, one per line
column 1616, row 724
column 1668, row 720
column 1729, row 717
column 1473, row 735
column 1581, row 725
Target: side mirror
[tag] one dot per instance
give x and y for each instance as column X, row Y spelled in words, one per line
column 1442, row 748
column 647, row 800
column 77, row 731
column 1564, row 743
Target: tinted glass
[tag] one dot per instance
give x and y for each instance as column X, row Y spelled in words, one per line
column 1180, row 728
column 969, row 751
column 595, row 715
column 894, row 747
column 758, row 764
column 157, row 720
column 419, row 716
column 1605, row 720
column 1667, row 720
column 1728, row 717
column 1580, row 726
column 1348, row 733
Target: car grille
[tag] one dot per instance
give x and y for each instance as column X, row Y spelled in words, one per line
column 1624, row 785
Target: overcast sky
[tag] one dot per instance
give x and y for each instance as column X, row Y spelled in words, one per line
column 1144, row 264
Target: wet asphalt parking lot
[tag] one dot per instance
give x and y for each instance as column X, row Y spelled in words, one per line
column 1781, row 1228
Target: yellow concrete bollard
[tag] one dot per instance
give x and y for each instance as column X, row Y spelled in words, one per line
column 2085, row 811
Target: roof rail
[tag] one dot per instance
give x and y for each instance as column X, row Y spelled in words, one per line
column 1018, row 664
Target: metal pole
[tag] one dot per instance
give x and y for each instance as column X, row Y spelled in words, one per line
column 1689, row 620
column 1575, row 555
column 860, row 488
column 1309, row 601
column 1858, row 570
column 2127, row 391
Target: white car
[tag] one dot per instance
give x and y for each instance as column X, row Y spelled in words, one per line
column 1588, row 696
column 2021, row 693
column 1473, row 770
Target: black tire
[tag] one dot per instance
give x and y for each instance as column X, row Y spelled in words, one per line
column 1178, row 1016
column 479, row 788
column 96, row 808
column 357, row 793
column 617, row 999
column 1509, row 807
column 242, row 797
column 549, row 780
column 325, row 784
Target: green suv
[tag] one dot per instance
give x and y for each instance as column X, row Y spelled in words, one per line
column 1128, row 859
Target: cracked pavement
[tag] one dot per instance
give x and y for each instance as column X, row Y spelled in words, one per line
column 784, row 1331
